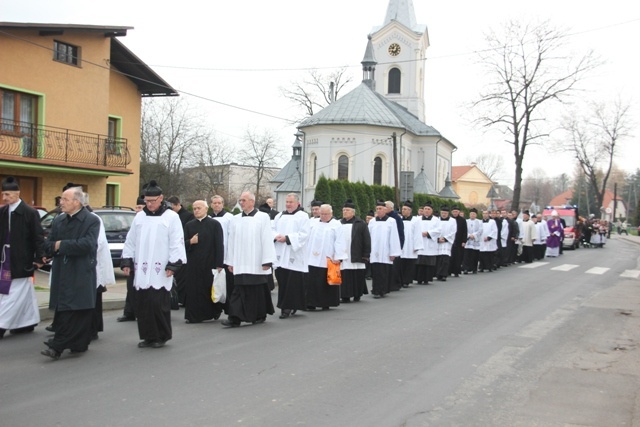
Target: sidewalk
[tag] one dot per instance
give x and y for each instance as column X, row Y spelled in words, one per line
column 113, row 299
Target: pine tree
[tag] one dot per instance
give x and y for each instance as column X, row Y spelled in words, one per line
column 338, row 196
column 323, row 192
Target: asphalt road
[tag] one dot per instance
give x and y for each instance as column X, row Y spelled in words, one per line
column 521, row 346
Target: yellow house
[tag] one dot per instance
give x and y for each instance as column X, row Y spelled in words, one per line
column 70, row 111
column 471, row 184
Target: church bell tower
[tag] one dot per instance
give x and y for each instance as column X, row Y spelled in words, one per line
column 399, row 45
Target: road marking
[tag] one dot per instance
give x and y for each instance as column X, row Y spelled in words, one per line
column 565, row 267
column 634, row 274
column 534, row 265
column 597, row 270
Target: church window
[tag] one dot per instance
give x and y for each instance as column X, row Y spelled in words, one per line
column 343, row 167
column 314, row 169
column 394, row 80
column 377, row 171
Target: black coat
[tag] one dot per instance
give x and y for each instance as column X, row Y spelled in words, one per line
column 185, row 216
column 73, row 274
column 26, row 239
column 360, row 239
column 461, row 231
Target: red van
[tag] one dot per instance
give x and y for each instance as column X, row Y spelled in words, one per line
column 570, row 216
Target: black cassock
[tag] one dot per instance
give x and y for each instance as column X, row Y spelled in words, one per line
column 202, row 257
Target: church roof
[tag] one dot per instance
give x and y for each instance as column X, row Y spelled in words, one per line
column 458, row 172
column 364, row 106
column 422, row 185
column 289, row 177
column 447, row 192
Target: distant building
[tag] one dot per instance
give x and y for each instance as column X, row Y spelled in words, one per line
column 606, row 210
column 229, row 181
column 472, row 185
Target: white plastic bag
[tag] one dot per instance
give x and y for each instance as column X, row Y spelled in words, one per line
column 219, row 288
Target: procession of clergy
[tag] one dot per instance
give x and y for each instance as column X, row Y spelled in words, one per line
column 305, row 254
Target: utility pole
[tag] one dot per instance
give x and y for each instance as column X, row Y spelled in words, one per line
column 395, row 170
column 615, row 200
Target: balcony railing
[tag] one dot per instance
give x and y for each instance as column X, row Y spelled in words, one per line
column 44, row 144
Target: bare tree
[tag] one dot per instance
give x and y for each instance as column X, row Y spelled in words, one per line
column 489, row 163
column 170, row 131
column 316, row 90
column 528, row 71
column 538, row 187
column 212, row 172
column 261, row 152
column 593, row 139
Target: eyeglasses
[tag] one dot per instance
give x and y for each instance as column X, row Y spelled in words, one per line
column 151, row 200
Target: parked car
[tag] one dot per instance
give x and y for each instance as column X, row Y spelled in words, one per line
column 117, row 222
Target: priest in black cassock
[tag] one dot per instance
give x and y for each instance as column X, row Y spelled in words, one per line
column 203, row 240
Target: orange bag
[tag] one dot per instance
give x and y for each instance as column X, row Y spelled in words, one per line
column 334, row 276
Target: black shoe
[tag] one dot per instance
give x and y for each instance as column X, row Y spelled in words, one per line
column 456, row 275
column 145, row 344
column 158, row 344
column 228, row 323
column 293, row 312
column 375, row 296
column 122, row 319
column 309, row 308
column 261, row 320
column 356, row 299
column 325, row 308
column 24, row 330
column 50, row 328
column 95, row 337
column 2, row 331
column 346, row 300
column 49, row 352
column 284, row 314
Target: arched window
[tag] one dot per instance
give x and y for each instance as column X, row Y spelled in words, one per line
column 314, row 169
column 343, row 167
column 377, row 171
column 394, row 80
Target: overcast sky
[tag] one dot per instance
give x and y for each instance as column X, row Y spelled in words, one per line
column 240, row 53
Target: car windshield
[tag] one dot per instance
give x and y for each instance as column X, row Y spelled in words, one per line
column 569, row 221
column 116, row 221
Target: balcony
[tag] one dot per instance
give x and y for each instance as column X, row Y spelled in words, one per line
column 48, row 145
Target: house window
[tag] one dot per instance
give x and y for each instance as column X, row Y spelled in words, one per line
column 377, row 171
column 66, row 53
column 343, row 167
column 113, row 195
column 114, row 145
column 18, row 115
column 394, row 80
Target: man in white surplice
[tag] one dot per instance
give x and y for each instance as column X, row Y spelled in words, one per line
column 250, row 256
column 291, row 230
column 154, row 248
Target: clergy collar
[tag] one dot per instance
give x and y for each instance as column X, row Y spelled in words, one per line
column 252, row 213
column 445, row 219
column 486, row 220
column 200, row 219
column 407, row 218
column 296, row 210
column 427, row 218
column 219, row 214
column 384, row 218
column 159, row 212
column 71, row 215
column 13, row 206
column 348, row 221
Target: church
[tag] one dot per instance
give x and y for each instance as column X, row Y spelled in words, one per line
column 354, row 137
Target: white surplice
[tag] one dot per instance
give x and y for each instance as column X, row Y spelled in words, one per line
column 291, row 254
column 250, row 244
column 153, row 242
